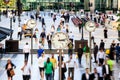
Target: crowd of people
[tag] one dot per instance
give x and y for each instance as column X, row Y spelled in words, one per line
column 105, row 62
column 104, row 69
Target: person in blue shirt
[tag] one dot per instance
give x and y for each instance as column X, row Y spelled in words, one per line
column 117, row 49
column 40, row 51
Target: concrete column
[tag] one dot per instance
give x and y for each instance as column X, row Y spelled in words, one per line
column 118, row 4
column 93, row 5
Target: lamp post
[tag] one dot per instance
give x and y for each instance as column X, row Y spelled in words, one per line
column 60, row 41
column 19, row 7
column 83, row 23
column 10, row 16
column 0, row 12
column 90, row 27
column 31, row 24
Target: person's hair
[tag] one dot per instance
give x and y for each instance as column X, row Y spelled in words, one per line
column 27, row 43
column 36, row 29
column 94, row 42
column 48, row 60
column 87, row 68
column 26, row 61
column 117, row 44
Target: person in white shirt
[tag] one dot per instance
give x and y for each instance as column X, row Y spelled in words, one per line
column 26, row 71
column 26, row 51
column 99, row 70
column 71, row 36
column 41, row 61
column 101, row 56
column 71, row 65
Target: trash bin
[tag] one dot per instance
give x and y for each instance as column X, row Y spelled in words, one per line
column 11, row 45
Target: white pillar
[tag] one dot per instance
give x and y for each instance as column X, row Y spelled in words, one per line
column 118, row 4
column 93, row 5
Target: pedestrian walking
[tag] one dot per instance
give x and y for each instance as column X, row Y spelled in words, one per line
column 80, row 53
column 19, row 35
column 48, row 69
column 26, row 70
column 71, row 36
column 52, row 29
column 95, row 52
column 70, row 48
column 63, row 70
column 54, row 62
column 67, row 28
column 95, row 75
column 106, row 71
column 26, row 51
column 101, row 56
column 54, row 17
column 112, row 52
column 36, row 35
column 43, row 22
column 117, row 49
column 100, row 71
column 10, row 69
column 111, row 64
column 105, row 33
column 49, row 37
column 40, row 51
column 86, row 50
column 42, row 37
column 86, row 75
column 71, row 66
column 102, row 45
column 41, row 61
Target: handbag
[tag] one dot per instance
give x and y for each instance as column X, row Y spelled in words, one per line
column 107, row 51
column 12, row 73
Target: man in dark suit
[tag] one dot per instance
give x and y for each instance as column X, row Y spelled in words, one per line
column 102, row 45
column 86, row 75
column 95, row 75
column 95, row 52
column 106, row 71
column 49, row 37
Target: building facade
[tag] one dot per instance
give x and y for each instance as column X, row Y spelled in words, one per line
column 65, row 4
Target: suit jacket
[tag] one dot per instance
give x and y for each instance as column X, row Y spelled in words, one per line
column 93, row 76
column 49, row 38
column 84, row 76
column 95, row 49
column 104, row 69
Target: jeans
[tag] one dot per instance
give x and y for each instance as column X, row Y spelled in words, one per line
column 71, row 71
column 48, row 76
column 49, row 44
column 26, row 56
column 70, row 51
column 101, row 60
column 26, row 77
column 79, row 59
column 117, row 57
column 101, row 78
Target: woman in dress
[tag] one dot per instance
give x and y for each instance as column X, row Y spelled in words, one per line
column 9, row 66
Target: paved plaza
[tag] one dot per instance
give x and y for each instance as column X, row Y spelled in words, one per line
column 18, row 59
